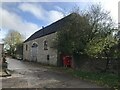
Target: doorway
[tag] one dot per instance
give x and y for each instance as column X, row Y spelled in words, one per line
column 34, row 52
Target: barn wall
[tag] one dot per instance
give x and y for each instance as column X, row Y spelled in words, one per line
column 41, row 53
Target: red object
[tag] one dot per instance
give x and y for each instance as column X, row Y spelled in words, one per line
column 67, row 61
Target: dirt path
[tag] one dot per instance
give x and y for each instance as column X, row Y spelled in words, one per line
column 31, row 75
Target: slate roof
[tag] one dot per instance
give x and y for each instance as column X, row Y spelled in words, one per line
column 54, row 27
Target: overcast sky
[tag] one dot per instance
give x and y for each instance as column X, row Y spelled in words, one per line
column 30, row 15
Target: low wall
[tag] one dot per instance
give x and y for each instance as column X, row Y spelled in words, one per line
column 96, row 64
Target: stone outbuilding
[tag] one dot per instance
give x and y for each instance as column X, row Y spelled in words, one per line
column 39, row 46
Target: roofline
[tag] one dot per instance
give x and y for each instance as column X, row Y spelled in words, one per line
column 43, row 29
column 27, row 40
column 39, row 37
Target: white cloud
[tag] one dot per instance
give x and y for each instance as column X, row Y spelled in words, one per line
column 33, row 9
column 112, row 6
column 11, row 20
column 54, row 16
column 40, row 13
column 59, row 8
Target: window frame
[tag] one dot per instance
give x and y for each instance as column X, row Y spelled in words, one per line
column 45, row 45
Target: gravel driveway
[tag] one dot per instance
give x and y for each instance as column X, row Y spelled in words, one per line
column 33, row 75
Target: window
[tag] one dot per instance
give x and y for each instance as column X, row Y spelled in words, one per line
column 48, row 57
column 45, row 45
column 26, row 47
column 34, row 45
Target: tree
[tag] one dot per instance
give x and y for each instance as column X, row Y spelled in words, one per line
column 100, row 21
column 101, row 41
column 83, row 29
column 100, row 45
column 19, row 51
column 12, row 39
column 89, row 33
column 72, row 37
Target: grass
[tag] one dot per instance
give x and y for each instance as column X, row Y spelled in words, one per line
column 103, row 79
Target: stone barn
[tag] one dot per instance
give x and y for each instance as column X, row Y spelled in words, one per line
column 38, row 47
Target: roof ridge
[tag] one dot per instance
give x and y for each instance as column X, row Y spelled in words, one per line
column 48, row 30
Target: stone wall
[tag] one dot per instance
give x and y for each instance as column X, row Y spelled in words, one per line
column 41, row 53
column 96, row 64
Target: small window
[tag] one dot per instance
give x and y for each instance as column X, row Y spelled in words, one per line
column 26, row 47
column 34, row 45
column 45, row 45
column 48, row 57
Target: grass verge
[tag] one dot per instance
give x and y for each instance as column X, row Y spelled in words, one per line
column 103, row 79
